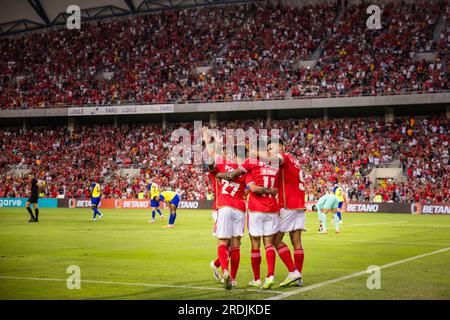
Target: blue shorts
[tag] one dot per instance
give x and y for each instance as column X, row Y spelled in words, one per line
column 175, row 201
column 340, row 204
column 95, row 201
column 154, row 203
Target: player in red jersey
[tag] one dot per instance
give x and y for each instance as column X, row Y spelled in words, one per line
column 291, row 199
column 231, row 207
column 215, row 264
column 262, row 213
column 230, row 223
column 210, row 150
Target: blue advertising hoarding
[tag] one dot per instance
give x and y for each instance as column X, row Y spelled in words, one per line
column 20, row 202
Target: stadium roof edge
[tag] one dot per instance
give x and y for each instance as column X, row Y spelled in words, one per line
column 107, row 11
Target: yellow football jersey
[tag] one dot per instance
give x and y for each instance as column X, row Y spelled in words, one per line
column 168, row 195
column 339, row 193
column 96, row 191
column 154, row 191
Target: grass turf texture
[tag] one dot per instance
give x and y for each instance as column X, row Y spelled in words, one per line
column 150, row 262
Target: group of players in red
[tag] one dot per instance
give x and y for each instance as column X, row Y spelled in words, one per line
column 266, row 189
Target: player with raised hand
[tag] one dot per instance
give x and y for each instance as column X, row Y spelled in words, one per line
column 262, row 212
column 230, row 204
column 210, row 151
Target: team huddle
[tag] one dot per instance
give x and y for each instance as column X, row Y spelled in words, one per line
column 265, row 190
column 273, row 197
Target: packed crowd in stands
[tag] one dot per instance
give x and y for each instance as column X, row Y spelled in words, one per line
column 356, row 60
column 259, row 61
column 252, row 50
column 444, row 37
column 334, row 151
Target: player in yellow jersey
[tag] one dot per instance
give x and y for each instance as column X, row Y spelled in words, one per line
column 340, row 194
column 96, row 196
column 172, row 199
column 154, row 204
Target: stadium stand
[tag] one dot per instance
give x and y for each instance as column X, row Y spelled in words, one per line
column 358, row 61
column 252, row 52
column 332, row 151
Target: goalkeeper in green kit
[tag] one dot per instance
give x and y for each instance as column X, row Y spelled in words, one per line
column 327, row 204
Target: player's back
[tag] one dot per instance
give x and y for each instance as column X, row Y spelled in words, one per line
column 291, row 186
column 34, row 187
column 266, row 176
column 230, row 193
column 95, row 190
column 168, row 195
column 154, row 190
column 327, row 198
column 339, row 193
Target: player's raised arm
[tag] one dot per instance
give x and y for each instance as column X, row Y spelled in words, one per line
column 210, row 148
column 231, row 175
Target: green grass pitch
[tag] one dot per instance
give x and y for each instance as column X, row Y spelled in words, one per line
column 124, row 257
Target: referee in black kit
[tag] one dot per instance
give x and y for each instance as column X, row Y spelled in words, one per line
column 33, row 199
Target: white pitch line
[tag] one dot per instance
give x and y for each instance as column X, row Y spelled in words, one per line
column 375, row 223
column 321, row 284
column 140, row 284
column 386, row 242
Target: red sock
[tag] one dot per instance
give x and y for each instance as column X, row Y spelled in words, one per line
column 299, row 256
column 285, row 255
column 270, row 257
column 256, row 263
column 235, row 259
column 217, row 263
column 222, row 253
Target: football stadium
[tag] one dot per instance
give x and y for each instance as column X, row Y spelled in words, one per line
column 224, row 150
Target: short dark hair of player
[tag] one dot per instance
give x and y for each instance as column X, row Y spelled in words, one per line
column 314, row 208
column 280, row 142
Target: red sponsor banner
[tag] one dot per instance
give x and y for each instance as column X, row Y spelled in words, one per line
column 132, row 204
column 372, row 207
column 357, row 207
column 86, row 203
column 108, row 203
column 145, row 204
column 433, row 208
column 136, row 204
column 79, row 203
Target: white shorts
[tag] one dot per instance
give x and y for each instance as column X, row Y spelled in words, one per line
column 214, row 216
column 230, row 223
column 262, row 224
column 291, row 220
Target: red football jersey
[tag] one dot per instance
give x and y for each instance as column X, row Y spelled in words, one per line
column 263, row 175
column 230, row 193
column 291, row 185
